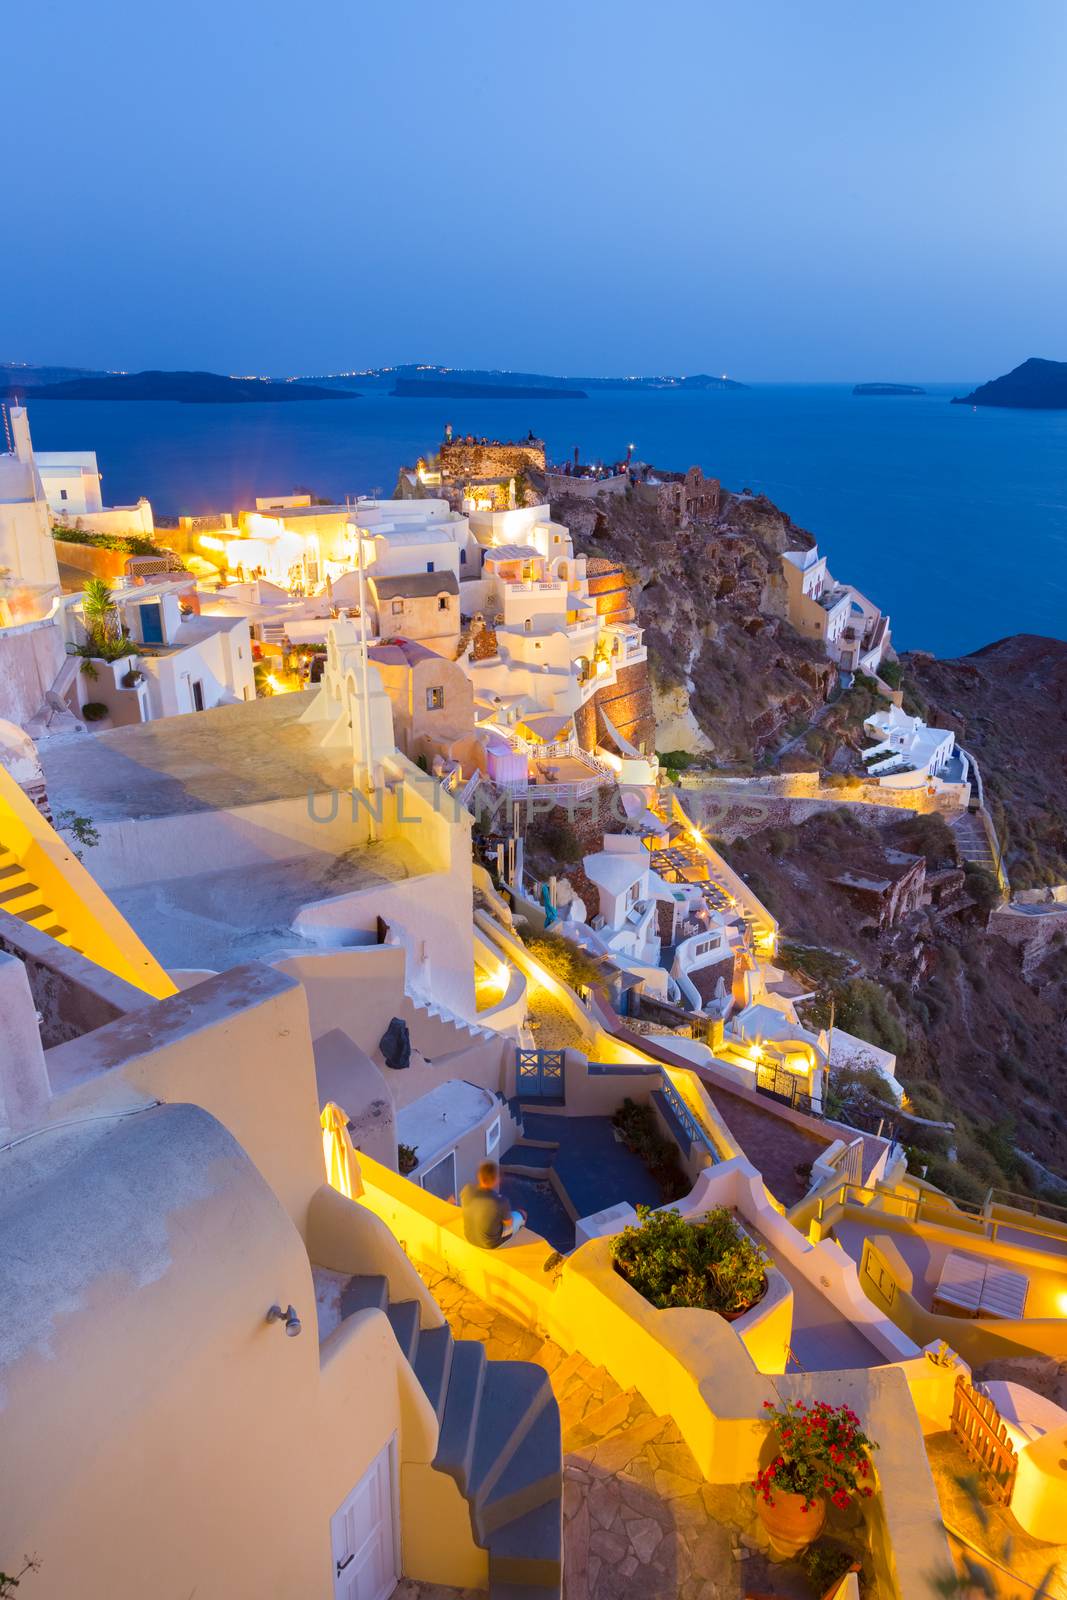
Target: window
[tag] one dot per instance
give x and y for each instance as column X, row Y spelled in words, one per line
column 442, row 602
column 528, row 624
column 429, row 566
column 435, row 699
column 398, row 608
column 462, row 558
column 62, row 494
column 492, row 1137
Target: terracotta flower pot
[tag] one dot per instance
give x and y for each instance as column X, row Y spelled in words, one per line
column 789, row 1526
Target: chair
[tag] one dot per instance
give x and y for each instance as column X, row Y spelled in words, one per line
column 959, row 1288
column 1003, row 1293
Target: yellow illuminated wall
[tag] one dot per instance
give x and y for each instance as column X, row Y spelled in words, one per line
column 53, row 892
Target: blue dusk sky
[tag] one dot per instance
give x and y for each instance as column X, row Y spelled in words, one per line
column 777, row 190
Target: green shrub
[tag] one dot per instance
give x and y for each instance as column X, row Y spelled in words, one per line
column 566, row 961
column 640, row 1133
column 891, row 672
column 130, row 544
column 709, row 1264
column 826, row 1564
column 676, row 760
column 94, row 711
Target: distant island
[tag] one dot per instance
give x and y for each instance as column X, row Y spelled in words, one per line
column 1037, row 385
column 421, row 389
column 190, row 388
column 887, row 389
column 495, row 382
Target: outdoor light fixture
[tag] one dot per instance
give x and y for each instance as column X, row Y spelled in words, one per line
column 288, row 1316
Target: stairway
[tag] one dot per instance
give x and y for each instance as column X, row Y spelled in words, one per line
column 972, row 841
column 499, row 1439
column 22, row 898
column 465, row 1031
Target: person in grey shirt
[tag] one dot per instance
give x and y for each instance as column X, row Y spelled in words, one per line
column 488, row 1220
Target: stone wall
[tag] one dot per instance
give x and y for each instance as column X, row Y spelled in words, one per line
column 608, row 586
column 628, row 702
column 490, row 458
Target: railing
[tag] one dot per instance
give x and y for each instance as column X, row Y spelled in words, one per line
column 694, row 1130
column 850, row 1162
column 978, row 1426
column 1034, row 1204
column 784, row 1087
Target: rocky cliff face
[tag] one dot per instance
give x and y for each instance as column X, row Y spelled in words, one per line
column 1007, row 704
column 727, row 671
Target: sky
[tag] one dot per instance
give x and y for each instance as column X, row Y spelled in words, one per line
column 827, row 191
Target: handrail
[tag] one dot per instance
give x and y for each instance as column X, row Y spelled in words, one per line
column 693, row 1128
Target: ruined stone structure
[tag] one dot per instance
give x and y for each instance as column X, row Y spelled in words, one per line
column 681, row 497
column 887, row 891
column 486, row 459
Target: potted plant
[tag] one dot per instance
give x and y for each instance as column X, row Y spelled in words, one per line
column 131, row 679
column 94, row 711
column 709, row 1263
column 820, row 1453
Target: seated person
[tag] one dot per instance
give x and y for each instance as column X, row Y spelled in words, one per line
column 488, row 1220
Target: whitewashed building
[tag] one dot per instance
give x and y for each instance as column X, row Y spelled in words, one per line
column 853, row 630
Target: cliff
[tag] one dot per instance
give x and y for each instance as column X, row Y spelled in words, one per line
column 1037, row 385
column 978, row 1033
column 1007, row 704
column 727, row 671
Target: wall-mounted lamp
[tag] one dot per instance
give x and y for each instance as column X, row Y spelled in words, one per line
column 288, row 1316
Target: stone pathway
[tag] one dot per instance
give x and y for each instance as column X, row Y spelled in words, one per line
column 640, row 1523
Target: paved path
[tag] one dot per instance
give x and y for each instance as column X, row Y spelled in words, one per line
column 774, row 1145
column 640, row 1523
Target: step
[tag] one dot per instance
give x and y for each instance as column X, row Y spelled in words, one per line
column 433, row 1364
column 528, row 1157
column 404, row 1321
column 525, row 1591
column 513, row 1394
column 19, row 892
column 533, row 1476
column 364, row 1292
column 9, row 872
column 455, row 1445
column 528, row 1550
column 34, row 913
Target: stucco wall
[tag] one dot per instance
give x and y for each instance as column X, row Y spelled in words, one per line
column 30, row 658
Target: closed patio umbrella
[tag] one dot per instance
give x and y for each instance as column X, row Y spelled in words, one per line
column 342, row 1168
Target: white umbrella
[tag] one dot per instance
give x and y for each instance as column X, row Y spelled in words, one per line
column 342, row 1168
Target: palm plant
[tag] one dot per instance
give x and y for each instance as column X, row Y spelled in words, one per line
column 100, row 617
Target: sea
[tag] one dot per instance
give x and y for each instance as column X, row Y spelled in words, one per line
column 952, row 519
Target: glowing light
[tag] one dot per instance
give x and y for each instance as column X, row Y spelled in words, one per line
column 207, row 541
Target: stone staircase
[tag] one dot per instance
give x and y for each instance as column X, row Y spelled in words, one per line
column 465, row 1031
column 499, row 1439
column 21, row 897
column 972, row 840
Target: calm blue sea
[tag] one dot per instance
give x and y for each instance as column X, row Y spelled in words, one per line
column 954, row 520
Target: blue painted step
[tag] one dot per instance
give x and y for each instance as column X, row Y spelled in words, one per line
column 528, row 1550
column 530, row 1156
column 433, row 1365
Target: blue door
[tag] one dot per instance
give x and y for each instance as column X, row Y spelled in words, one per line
column 152, row 622
column 539, row 1075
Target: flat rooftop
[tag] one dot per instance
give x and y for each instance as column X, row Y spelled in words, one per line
column 205, row 761
column 221, row 919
